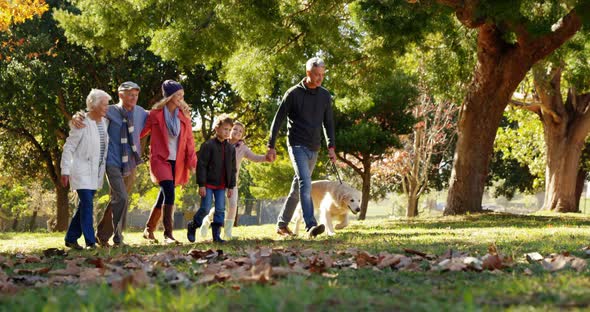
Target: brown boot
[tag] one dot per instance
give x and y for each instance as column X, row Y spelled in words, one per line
column 168, row 225
column 152, row 223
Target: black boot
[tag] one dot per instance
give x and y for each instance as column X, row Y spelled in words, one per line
column 191, row 228
column 216, row 231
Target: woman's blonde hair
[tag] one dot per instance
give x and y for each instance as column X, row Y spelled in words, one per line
column 160, row 104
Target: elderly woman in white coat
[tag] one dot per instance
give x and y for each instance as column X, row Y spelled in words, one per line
column 83, row 166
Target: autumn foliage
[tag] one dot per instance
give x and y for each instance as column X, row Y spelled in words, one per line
column 17, row 11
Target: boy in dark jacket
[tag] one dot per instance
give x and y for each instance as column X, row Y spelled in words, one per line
column 216, row 172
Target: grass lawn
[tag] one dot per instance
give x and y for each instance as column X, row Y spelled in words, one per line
column 522, row 287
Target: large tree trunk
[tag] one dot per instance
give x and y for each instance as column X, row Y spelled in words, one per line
column 561, row 180
column 412, row 206
column 33, row 220
column 500, row 68
column 366, row 191
column 63, row 210
column 496, row 77
column 15, row 223
column 565, row 129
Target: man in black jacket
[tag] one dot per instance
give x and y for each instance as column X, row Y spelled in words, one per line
column 307, row 107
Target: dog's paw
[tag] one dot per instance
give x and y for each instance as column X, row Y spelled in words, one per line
column 331, row 233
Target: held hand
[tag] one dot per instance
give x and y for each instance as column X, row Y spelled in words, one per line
column 185, row 109
column 332, row 154
column 271, row 154
column 64, row 180
column 78, row 120
column 202, row 191
column 230, row 192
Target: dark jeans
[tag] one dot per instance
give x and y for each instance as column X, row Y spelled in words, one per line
column 206, row 202
column 82, row 221
column 166, row 195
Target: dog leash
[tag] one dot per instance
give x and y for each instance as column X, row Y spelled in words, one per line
column 337, row 173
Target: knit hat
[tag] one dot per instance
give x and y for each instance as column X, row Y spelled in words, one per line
column 169, row 87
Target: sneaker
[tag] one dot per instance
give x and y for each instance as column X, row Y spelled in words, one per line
column 316, row 230
column 74, row 245
column 191, row 230
column 91, row 247
column 284, row 231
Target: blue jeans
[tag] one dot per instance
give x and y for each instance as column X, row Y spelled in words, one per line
column 303, row 161
column 206, row 202
column 82, row 221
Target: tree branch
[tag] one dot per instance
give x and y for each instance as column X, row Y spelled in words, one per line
column 356, row 169
column 544, row 45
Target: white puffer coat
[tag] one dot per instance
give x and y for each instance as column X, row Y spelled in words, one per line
column 81, row 156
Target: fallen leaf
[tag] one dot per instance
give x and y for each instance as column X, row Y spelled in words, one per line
column 5, row 262
column 579, row 264
column 533, row 257
column 52, row 252
column 554, row 264
column 265, row 252
column 72, row 268
column 389, row 261
column 403, row 262
column 90, row 275
column 473, row 263
column 492, row 262
column 136, row 279
column 493, row 249
column 364, row 258
column 33, row 271
column 32, row 259
column 97, row 262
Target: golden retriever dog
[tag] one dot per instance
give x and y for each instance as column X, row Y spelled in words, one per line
column 332, row 200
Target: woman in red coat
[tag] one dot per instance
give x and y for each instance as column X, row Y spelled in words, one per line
column 172, row 154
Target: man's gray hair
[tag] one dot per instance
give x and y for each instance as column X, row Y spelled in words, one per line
column 94, row 98
column 314, row 62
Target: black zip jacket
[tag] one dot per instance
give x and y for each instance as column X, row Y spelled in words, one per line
column 209, row 163
column 306, row 110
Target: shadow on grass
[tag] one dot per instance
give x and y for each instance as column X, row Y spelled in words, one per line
column 6, row 236
column 486, row 220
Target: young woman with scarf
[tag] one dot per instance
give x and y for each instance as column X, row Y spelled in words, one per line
column 172, row 153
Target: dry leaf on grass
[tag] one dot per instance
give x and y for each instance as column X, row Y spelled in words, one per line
column 556, row 263
column 72, row 268
column 91, row 275
column 137, row 278
column 6, row 286
column 37, row 271
column 533, row 257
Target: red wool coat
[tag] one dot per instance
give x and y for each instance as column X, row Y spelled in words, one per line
column 186, row 159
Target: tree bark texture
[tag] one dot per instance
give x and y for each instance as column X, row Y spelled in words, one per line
column 63, row 212
column 566, row 126
column 366, row 188
column 501, row 66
